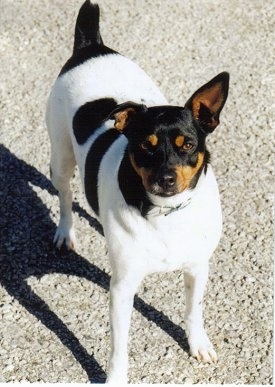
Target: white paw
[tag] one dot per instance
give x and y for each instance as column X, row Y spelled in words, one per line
column 66, row 236
column 202, row 349
column 117, row 374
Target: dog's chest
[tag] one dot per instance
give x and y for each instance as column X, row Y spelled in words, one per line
column 180, row 239
column 188, row 236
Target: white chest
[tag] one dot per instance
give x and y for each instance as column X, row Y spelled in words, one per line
column 190, row 234
column 182, row 239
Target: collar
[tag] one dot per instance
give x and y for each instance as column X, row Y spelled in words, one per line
column 167, row 210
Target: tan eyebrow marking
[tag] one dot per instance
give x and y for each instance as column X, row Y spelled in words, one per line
column 152, row 139
column 179, row 141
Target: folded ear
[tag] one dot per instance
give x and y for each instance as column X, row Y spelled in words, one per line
column 207, row 102
column 124, row 112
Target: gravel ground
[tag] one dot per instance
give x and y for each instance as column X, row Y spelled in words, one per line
column 54, row 305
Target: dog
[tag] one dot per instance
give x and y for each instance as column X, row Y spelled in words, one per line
column 146, row 173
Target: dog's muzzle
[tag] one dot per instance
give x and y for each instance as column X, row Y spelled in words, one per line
column 165, row 184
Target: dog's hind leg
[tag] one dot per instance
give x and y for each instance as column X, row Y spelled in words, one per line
column 122, row 292
column 62, row 168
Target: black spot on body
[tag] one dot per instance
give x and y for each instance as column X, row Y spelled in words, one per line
column 131, row 186
column 93, row 160
column 90, row 116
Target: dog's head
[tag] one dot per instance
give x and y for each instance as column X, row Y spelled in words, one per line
column 167, row 143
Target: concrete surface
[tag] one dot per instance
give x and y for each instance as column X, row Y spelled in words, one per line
column 54, row 306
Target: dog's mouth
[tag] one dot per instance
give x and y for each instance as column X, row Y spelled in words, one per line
column 155, row 189
column 164, row 185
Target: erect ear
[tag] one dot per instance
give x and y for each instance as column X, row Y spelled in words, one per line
column 207, row 102
column 124, row 112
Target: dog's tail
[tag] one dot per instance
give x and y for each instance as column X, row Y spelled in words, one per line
column 87, row 31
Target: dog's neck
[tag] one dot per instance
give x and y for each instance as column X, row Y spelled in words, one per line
column 148, row 204
column 158, row 210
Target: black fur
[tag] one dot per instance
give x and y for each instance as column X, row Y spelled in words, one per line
column 131, row 186
column 83, row 55
column 93, row 160
column 90, row 117
column 87, row 27
column 87, row 42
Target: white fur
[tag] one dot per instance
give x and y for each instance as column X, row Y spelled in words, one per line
column 184, row 239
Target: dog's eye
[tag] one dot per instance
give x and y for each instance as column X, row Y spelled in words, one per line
column 186, row 147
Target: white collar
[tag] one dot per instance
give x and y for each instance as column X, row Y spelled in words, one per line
column 167, row 210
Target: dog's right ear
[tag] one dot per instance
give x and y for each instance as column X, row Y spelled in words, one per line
column 124, row 112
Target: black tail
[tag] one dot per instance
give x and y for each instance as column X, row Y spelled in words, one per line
column 87, row 27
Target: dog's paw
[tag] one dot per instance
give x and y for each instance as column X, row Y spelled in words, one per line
column 202, row 349
column 117, row 376
column 65, row 236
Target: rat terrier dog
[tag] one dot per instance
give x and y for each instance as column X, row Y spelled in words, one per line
column 146, row 174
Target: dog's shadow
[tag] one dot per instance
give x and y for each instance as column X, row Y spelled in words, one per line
column 26, row 250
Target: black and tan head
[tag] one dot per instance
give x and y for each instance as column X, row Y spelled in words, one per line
column 167, row 143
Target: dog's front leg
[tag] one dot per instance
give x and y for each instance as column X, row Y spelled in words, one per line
column 200, row 345
column 122, row 292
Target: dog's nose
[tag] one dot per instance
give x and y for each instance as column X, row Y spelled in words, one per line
column 167, row 180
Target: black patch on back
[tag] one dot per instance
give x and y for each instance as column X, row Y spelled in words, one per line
column 91, row 116
column 83, row 55
column 94, row 157
column 131, row 186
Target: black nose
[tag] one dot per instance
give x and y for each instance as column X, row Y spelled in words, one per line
column 167, row 180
